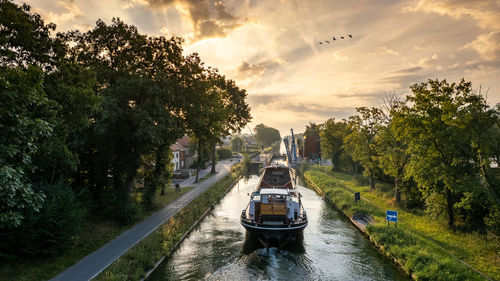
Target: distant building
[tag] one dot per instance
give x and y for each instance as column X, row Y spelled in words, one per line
column 312, row 148
column 182, row 157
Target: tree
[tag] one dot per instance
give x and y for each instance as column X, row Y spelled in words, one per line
column 142, row 107
column 25, row 40
column 25, row 112
column 441, row 156
column 312, row 130
column 332, row 139
column 236, row 144
column 392, row 151
column 266, row 135
column 360, row 143
column 482, row 131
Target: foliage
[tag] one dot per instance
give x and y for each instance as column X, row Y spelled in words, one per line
column 224, row 153
column 424, row 248
column 437, row 148
column 332, row 139
column 98, row 109
column 360, row 143
column 25, row 122
column 142, row 257
column 48, row 231
column 95, row 233
column 236, row 144
column 435, row 128
column 265, row 135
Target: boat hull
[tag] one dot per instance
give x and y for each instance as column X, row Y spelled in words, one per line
column 275, row 234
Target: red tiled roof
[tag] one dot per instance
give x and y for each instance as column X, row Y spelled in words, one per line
column 177, row 147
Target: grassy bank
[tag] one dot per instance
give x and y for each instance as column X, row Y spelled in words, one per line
column 138, row 260
column 423, row 248
column 96, row 233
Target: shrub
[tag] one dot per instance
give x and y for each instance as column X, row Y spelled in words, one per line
column 224, row 153
column 49, row 231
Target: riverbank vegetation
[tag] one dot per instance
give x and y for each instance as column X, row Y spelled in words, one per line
column 134, row 264
column 87, row 120
column 434, row 158
column 425, row 249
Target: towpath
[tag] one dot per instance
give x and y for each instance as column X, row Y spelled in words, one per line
column 91, row 265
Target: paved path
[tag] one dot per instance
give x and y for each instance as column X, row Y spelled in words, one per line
column 90, row 266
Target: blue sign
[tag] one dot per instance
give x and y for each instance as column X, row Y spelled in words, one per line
column 391, row 216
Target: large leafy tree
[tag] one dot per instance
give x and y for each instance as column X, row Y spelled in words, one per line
column 392, row 151
column 265, row 135
column 25, row 112
column 142, row 110
column 236, row 143
column 332, row 136
column 437, row 140
column 360, row 143
column 26, row 40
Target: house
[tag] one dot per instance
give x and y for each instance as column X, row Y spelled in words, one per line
column 182, row 157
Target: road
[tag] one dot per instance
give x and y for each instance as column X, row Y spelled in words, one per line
column 90, row 266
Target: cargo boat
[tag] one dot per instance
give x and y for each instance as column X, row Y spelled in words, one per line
column 275, row 212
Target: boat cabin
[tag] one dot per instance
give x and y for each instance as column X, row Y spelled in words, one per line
column 276, row 176
column 274, row 206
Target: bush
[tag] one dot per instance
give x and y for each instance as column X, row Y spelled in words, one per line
column 49, row 231
column 224, row 153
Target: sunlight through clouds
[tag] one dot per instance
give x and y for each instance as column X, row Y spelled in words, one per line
column 271, row 48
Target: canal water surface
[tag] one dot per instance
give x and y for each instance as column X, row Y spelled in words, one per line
column 219, row 249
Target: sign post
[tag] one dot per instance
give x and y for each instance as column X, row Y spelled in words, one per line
column 391, row 216
column 357, row 197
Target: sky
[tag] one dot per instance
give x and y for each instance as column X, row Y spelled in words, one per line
column 271, row 48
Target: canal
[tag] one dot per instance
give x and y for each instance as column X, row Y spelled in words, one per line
column 218, row 249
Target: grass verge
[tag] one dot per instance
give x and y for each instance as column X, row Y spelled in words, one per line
column 95, row 234
column 139, row 259
column 425, row 249
column 206, row 177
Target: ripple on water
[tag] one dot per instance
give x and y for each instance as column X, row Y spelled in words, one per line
column 219, row 248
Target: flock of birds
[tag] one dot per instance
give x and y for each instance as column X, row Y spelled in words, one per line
column 349, row 36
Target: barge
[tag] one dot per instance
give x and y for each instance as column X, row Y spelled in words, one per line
column 275, row 213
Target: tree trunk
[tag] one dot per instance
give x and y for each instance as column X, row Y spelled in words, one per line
column 372, row 181
column 200, row 160
column 158, row 173
column 397, row 195
column 449, row 209
column 213, row 158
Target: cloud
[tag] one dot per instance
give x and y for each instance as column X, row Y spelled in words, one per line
column 487, row 46
column 64, row 11
column 263, row 99
column 247, row 70
column 408, row 70
column 338, row 56
column 291, row 103
column 360, row 95
column 209, row 18
column 485, row 12
column 385, row 50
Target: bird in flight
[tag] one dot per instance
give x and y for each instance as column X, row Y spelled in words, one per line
column 335, row 39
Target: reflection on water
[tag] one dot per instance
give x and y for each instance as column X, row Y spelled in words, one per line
column 220, row 249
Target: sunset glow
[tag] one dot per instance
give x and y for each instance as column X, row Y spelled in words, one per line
column 271, row 48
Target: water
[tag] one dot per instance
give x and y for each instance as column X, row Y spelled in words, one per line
column 219, row 249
